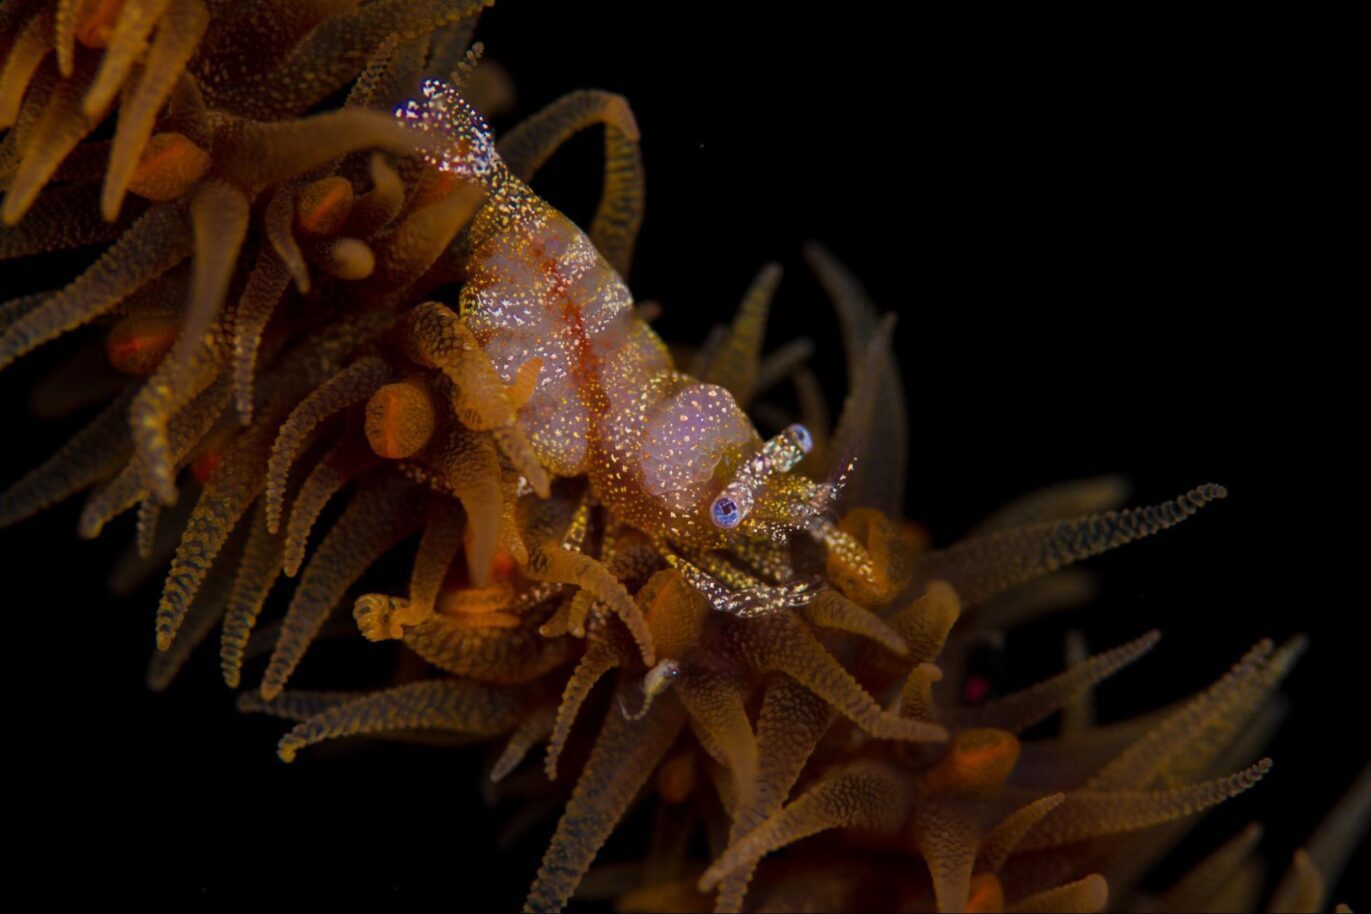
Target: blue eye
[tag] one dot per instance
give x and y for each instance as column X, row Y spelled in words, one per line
column 725, row 512
column 802, row 438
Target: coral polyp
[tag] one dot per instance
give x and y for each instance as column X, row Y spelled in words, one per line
column 342, row 330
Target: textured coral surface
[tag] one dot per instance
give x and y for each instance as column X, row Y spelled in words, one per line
column 330, row 336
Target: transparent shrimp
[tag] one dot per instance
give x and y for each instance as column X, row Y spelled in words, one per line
column 674, row 457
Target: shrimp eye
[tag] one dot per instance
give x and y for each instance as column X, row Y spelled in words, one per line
column 802, row 437
column 725, row 512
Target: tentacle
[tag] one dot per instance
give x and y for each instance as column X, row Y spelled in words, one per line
column 1068, row 588
column 1091, row 813
column 1201, row 726
column 333, row 53
column 715, row 701
column 375, row 520
column 1303, row 888
column 167, row 167
column 1317, row 866
column 178, row 34
column 471, row 468
column 946, row 837
column 344, row 462
column 205, row 612
column 126, row 42
column 13, row 309
column 435, row 336
column 925, row 623
column 1207, row 877
column 867, row 556
column 438, row 546
column 146, row 526
column 93, row 453
column 532, row 728
column 35, row 101
column 279, row 226
column 864, row 795
column 490, row 654
column 787, row 361
column 872, row 377
column 265, row 286
column 553, row 564
column 790, row 724
column 296, row 704
column 153, row 244
column 916, row 695
column 377, row 207
column 257, row 571
column 832, row 610
column 256, row 154
column 438, row 704
column 1023, row 709
column 614, row 230
column 599, row 658
column 626, row 753
column 225, row 498
column 416, row 243
column 856, row 431
column 58, row 129
column 1059, row 502
column 219, row 218
column 353, row 385
column 1003, row 839
column 165, row 422
column 736, row 361
column 1078, row 714
column 1085, row 896
column 185, row 432
column 22, row 58
column 62, row 220
column 783, row 645
column 983, row 566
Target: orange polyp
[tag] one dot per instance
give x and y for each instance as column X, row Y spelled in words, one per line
column 169, row 165
column 211, row 454
column 348, row 258
column 400, row 419
column 434, row 186
column 978, row 762
column 676, row 778
column 322, row 207
column 137, row 343
column 503, row 566
column 95, row 21
column 489, row 620
column 464, row 601
column 986, row 895
column 205, row 463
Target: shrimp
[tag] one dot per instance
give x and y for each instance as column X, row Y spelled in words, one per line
column 671, row 456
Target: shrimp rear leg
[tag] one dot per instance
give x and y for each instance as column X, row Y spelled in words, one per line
column 435, row 336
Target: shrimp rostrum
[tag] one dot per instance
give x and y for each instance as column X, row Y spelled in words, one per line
column 546, row 352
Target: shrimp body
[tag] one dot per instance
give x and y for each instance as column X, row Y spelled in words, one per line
column 656, row 444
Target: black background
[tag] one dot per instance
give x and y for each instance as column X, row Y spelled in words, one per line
column 1110, row 243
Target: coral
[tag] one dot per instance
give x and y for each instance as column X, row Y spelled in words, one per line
column 371, row 302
